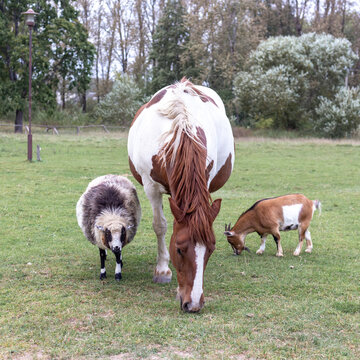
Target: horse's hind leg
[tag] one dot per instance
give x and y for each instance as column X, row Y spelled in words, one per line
column 162, row 272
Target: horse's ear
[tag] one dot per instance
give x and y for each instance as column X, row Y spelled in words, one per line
column 215, row 208
column 176, row 211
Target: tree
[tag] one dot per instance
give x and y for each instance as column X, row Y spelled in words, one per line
column 120, row 105
column 288, row 76
column 169, row 45
column 60, row 50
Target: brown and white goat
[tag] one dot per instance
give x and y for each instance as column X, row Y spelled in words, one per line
column 272, row 215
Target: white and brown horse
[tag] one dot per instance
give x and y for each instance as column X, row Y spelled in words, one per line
column 181, row 143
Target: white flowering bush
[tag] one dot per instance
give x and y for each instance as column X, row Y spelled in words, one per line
column 287, row 77
column 121, row 104
column 339, row 117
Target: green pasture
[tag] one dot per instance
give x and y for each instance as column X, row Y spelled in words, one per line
column 53, row 305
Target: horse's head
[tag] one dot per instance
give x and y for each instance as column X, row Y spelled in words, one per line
column 190, row 253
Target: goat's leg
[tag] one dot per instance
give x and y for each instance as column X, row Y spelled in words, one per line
column 301, row 240
column 102, row 262
column 276, row 236
column 118, row 266
column 262, row 246
column 309, row 244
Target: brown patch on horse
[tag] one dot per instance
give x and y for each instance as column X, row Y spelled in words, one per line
column 200, row 133
column 204, row 98
column 134, row 172
column 155, row 99
column 158, row 172
column 222, row 176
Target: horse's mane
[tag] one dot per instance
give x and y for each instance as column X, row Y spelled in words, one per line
column 184, row 157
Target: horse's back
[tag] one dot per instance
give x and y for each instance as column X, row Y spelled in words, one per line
column 204, row 110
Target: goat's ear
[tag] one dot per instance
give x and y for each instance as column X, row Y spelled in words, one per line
column 215, row 208
column 176, row 211
column 99, row 227
column 229, row 233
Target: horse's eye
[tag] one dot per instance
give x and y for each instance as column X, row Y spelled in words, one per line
column 178, row 251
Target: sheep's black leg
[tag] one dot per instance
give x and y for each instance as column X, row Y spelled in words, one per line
column 102, row 261
column 119, row 265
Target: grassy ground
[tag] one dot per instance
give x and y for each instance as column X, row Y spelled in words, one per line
column 52, row 304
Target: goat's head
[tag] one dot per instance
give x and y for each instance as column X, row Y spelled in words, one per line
column 235, row 240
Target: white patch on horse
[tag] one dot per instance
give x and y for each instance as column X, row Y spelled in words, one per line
column 291, row 216
column 103, row 270
column 197, row 289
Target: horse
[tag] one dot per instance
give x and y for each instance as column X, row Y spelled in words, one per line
column 180, row 143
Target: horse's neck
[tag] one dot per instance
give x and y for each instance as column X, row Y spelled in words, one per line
column 187, row 176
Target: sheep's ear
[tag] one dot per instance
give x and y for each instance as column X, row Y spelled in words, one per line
column 123, row 234
column 99, row 227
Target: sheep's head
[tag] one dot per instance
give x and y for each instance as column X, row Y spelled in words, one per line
column 114, row 238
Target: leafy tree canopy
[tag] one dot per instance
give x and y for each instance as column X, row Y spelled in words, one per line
column 288, row 76
column 60, row 51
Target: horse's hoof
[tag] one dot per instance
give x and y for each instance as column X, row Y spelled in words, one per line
column 118, row 277
column 161, row 279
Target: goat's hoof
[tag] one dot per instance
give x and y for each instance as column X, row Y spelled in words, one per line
column 308, row 250
column 103, row 276
column 279, row 255
column 296, row 253
column 118, row 277
column 259, row 252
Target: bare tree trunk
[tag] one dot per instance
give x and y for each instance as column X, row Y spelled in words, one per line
column 19, row 121
column 63, row 92
column 98, row 51
column 83, row 101
column 344, row 3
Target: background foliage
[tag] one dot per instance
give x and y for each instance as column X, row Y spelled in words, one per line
column 155, row 42
column 287, row 77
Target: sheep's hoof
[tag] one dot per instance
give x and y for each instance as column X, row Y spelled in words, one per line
column 118, row 277
column 259, row 252
column 308, row 250
column 279, row 255
column 103, row 276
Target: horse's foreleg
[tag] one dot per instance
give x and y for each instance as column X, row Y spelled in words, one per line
column 162, row 272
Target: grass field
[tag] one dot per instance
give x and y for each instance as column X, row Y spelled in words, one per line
column 53, row 306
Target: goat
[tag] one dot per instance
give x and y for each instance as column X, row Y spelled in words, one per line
column 270, row 216
column 108, row 213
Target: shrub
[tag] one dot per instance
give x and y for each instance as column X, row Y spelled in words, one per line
column 120, row 105
column 339, row 117
column 287, row 78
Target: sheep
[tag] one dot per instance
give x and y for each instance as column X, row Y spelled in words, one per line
column 108, row 213
column 270, row 216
